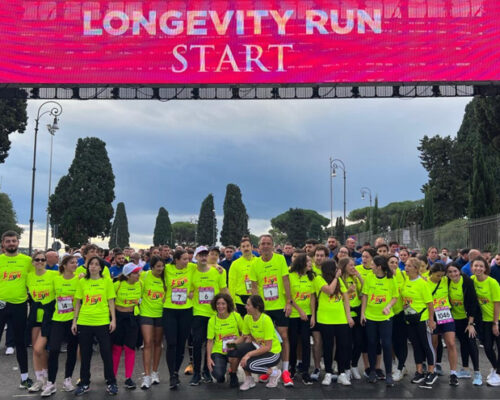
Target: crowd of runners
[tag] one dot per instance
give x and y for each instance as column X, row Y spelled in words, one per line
column 280, row 314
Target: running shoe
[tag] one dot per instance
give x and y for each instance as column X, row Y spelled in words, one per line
column 130, row 384
column 174, row 381
column 315, row 375
column 249, row 383
column 327, row 379
column 464, row 374
column 453, row 380
column 67, row 385
column 355, row 373
column 264, row 378
column 306, row 379
column 195, row 380
column 343, row 379
column 478, row 379
column 155, row 378
column 189, row 369
column 49, row 390
column 274, row 379
column 146, row 382
column 112, row 389
column 418, row 378
column 37, row 386
column 26, row 384
column 287, row 380
column 81, row 389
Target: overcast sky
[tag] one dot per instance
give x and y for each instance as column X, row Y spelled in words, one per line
column 173, row 154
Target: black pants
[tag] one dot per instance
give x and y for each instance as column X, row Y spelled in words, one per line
column 488, row 340
column 242, row 310
column 86, row 335
column 342, row 336
column 400, row 339
column 357, row 336
column 16, row 314
column 421, row 341
column 60, row 332
column 468, row 345
column 176, row 327
column 220, row 367
column 258, row 364
column 439, row 350
column 127, row 330
column 199, row 333
column 298, row 328
column 379, row 332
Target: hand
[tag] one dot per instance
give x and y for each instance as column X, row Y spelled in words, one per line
column 362, row 320
column 112, row 326
column 495, row 330
column 386, row 310
column 82, row 275
column 243, row 361
column 431, row 324
column 303, row 316
column 471, row 331
column 352, row 288
column 210, row 364
column 219, row 268
column 74, row 329
column 312, row 322
column 350, row 321
column 338, row 273
column 288, row 309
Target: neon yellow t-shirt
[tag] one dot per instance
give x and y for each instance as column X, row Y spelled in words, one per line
column 205, row 285
column 128, row 295
column 178, row 283
column 400, row 277
column 94, row 294
column 364, row 272
column 239, row 278
column 222, row 331
column 330, row 307
column 13, row 274
column 353, row 287
column 269, row 277
column 83, row 270
column 416, row 296
column 41, row 289
column 261, row 331
column 456, row 293
column 488, row 292
column 379, row 292
column 316, row 269
column 440, row 297
column 64, row 291
column 301, row 289
column 153, row 295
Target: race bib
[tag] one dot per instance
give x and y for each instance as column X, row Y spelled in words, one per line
column 179, row 296
column 205, row 295
column 64, row 305
column 443, row 315
column 248, row 286
column 227, row 340
column 271, row 292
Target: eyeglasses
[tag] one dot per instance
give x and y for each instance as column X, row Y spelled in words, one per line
column 39, row 260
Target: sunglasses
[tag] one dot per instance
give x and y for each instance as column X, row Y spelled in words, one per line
column 39, row 259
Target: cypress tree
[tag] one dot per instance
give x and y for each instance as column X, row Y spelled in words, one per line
column 81, row 205
column 235, row 223
column 163, row 229
column 482, row 192
column 340, row 228
column 297, row 230
column 119, row 231
column 428, row 217
column 13, row 117
column 8, row 218
column 207, row 222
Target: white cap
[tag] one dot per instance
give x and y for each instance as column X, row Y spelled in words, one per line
column 200, row 249
column 130, row 268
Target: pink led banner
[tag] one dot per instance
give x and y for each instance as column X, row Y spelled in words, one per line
column 249, row 42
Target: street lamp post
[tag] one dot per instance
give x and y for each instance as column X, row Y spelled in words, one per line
column 334, row 165
column 55, row 111
column 52, row 128
column 366, row 190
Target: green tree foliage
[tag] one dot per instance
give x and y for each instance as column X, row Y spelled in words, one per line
column 340, row 229
column 482, row 197
column 8, row 218
column 315, row 224
column 487, row 115
column 297, row 227
column 119, row 230
column 375, row 217
column 163, row 229
column 207, row 223
column 13, row 118
column 81, row 205
column 235, row 224
column 184, row 233
column 254, row 239
column 278, row 236
column 428, row 217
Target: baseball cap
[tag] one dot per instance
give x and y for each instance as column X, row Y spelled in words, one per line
column 130, row 268
column 200, row 249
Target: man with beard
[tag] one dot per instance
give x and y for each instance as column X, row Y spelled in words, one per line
column 117, row 269
column 14, row 268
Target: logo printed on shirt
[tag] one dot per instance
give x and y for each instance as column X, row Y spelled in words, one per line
column 154, row 295
column 378, row 299
column 302, row 296
column 439, row 302
column 269, row 280
column 93, row 299
column 41, row 294
column 11, row 276
column 483, row 300
column 179, row 282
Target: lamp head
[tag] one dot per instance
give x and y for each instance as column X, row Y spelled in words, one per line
column 362, row 195
column 55, row 126
column 334, row 173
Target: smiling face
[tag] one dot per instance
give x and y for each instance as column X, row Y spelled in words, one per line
column 453, row 273
column 221, row 306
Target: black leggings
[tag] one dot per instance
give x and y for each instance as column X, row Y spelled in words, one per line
column 468, row 345
column 86, row 336
column 299, row 328
column 220, row 367
column 176, row 327
column 342, row 337
column 488, row 340
column 400, row 339
column 357, row 336
column 420, row 339
column 379, row 332
column 16, row 314
column 257, row 364
column 60, row 331
column 199, row 333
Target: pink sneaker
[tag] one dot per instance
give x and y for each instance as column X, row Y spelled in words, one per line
column 273, row 380
column 247, row 384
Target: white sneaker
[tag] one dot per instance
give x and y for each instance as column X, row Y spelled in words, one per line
column 343, row 379
column 9, row 351
column 155, row 378
column 146, row 382
column 37, row 386
column 494, row 380
column 247, row 384
column 399, row 374
column 49, row 390
column 492, row 371
column 327, row 380
column 273, row 380
column 349, row 374
column 355, row 373
column 68, row 385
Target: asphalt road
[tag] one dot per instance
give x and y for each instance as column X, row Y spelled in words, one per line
column 359, row 390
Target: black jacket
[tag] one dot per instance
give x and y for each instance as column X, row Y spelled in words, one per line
column 471, row 304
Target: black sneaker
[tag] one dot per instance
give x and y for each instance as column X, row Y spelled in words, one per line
column 207, row 377
column 174, row 381
column 195, row 380
column 315, row 375
column 130, row 384
column 233, row 380
column 453, row 380
column 380, row 374
column 372, row 377
column 424, row 385
column 81, row 389
column 306, row 379
column 292, row 372
column 418, row 378
column 389, row 381
column 431, row 378
column 26, row 384
column 112, row 389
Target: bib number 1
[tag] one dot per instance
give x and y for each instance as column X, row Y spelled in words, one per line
column 270, row 292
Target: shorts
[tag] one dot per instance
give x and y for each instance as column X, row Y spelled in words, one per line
column 444, row 328
column 156, row 322
column 126, row 330
column 278, row 317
